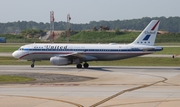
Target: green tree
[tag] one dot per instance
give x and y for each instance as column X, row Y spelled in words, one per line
column 117, row 30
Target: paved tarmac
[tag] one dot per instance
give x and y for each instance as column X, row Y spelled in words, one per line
column 117, row 86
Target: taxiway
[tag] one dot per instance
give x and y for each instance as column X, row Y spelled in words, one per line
column 124, row 86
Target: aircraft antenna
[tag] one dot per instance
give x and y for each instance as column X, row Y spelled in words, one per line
column 52, row 27
column 68, row 27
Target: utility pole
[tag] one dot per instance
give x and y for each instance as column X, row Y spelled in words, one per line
column 52, row 27
column 68, row 27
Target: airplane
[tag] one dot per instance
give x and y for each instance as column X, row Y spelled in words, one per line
column 65, row 54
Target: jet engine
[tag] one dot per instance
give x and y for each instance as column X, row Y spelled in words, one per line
column 59, row 61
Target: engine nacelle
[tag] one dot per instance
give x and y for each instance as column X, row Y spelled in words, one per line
column 59, row 61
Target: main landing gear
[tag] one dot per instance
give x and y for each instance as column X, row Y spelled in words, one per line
column 32, row 65
column 86, row 65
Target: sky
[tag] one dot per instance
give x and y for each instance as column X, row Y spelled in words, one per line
column 84, row 11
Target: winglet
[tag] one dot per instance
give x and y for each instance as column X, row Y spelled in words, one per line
column 148, row 35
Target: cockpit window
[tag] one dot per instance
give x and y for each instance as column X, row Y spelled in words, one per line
column 21, row 48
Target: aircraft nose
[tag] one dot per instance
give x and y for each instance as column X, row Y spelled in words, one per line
column 15, row 54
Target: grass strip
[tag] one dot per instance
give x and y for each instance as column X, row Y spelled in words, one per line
column 140, row 61
column 14, row 79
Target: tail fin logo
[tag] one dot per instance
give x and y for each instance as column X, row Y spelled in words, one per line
column 146, row 37
column 148, row 33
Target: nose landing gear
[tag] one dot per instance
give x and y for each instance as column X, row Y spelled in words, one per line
column 32, row 65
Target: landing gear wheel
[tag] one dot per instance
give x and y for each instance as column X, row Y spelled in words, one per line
column 79, row 66
column 86, row 65
column 32, row 65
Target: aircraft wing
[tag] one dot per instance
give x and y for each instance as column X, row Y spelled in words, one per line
column 73, row 55
column 80, row 55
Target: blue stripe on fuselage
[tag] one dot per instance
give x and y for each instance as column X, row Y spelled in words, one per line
column 87, row 50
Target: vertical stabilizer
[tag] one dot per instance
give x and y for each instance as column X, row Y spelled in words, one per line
column 148, row 35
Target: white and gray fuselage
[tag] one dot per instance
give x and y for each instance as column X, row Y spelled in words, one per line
column 89, row 52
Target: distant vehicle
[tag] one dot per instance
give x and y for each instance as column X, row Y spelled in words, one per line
column 2, row 40
column 65, row 54
column 104, row 27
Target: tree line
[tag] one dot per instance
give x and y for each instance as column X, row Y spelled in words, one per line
column 170, row 24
